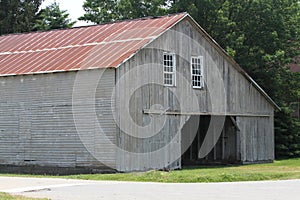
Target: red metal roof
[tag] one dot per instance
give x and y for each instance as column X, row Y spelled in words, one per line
column 99, row 46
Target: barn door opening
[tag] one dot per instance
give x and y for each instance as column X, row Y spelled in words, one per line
column 226, row 149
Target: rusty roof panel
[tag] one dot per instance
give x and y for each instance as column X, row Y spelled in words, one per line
column 98, row 46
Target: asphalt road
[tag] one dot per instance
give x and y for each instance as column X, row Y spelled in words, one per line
column 65, row 189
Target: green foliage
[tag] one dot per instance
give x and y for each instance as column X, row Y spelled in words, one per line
column 100, row 11
column 52, row 18
column 130, row 9
column 287, row 138
column 18, row 15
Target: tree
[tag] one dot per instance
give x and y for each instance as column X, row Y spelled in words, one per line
column 18, row 15
column 100, row 11
column 52, row 18
column 131, row 9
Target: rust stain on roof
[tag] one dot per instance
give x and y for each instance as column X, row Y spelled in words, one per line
column 98, row 46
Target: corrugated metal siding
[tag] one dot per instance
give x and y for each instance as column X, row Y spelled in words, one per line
column 90, row 47
column 37, row 125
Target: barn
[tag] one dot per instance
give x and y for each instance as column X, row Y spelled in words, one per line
column 149, row 93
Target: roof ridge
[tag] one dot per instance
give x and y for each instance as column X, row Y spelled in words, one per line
column 92, row 25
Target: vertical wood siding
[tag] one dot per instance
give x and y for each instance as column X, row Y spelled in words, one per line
column 257, row 139
column 241, row 96
column 226, row 92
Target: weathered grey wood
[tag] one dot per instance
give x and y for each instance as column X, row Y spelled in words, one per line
column 37, row 120
column 235, row 96
column 256, row 139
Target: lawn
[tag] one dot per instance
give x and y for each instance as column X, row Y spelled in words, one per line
column 279, row 170
column 4, row 196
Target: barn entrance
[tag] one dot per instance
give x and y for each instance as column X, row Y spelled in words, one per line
column 226, row 148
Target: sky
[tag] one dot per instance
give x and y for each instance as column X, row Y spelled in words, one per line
column 73, row 7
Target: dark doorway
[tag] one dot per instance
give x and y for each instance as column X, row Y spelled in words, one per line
column 226, row 149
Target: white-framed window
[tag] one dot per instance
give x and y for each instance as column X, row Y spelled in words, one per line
column 169, row 63
column 197, row 71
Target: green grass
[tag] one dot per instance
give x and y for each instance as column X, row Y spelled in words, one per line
column 4, row 196
column 279, row 170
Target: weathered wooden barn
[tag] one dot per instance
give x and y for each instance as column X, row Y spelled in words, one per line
column 151, row 93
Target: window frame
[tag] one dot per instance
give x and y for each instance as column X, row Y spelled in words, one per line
column 173, row 72
column 201, row 75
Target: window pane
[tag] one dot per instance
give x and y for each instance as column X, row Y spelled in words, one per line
column 196, row 70
column 169, row 69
